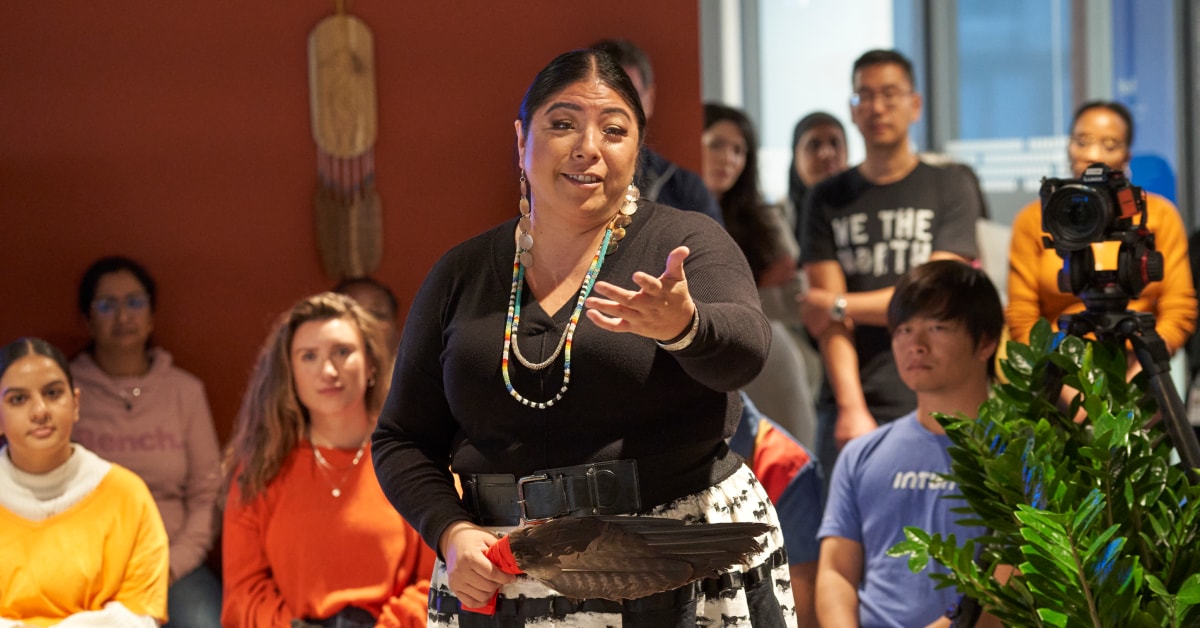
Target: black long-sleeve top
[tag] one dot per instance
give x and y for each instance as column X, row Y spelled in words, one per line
column 628, row 398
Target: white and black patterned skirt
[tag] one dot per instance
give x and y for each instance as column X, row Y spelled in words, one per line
column 759, row 595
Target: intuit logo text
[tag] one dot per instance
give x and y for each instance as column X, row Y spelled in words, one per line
column 921, row 481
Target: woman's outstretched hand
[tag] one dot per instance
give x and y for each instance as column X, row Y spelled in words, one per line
column 662, row 309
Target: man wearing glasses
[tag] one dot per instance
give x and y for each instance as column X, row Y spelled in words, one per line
column 863, row 229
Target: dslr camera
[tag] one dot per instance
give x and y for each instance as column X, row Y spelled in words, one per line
column 1100, row 206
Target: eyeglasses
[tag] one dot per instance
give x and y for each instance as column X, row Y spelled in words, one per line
column 1108, row 144
column 889, row 97
column 133, row 303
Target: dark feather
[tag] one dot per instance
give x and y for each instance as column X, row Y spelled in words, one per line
column 620, row 558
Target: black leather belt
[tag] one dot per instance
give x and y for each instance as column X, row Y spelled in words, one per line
column 601, row 488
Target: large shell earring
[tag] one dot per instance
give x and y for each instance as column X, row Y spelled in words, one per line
column 524, row 226
column 624, row 216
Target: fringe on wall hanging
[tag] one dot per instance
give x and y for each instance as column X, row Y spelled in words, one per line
column 341, row 75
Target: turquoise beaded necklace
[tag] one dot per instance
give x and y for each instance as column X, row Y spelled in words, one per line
column 513, row 321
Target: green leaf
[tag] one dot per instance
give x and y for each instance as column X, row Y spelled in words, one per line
column 1040, row 336
column 1020, row 359
column 1189, row 593
column 1053, row 618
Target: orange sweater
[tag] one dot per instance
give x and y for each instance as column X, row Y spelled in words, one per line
column 108, row 547
column 296, row 551
column 1033, row 276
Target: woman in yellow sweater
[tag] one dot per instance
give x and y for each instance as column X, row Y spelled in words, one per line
column 1102, row 133
column 81, row 541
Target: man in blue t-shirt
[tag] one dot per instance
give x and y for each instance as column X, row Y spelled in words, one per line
column 945, row 320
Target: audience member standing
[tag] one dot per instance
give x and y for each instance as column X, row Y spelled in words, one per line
column 309, row 537
column 729, row 152
column 863, row 229
column 81, row 542
column 658, row 178
column 144, row 413
column 818, row 152
column 945, row 320
column 1101, row 133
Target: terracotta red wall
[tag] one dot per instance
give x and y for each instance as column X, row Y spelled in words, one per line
column 178, row 133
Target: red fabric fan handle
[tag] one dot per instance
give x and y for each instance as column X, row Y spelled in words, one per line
column 501, row 555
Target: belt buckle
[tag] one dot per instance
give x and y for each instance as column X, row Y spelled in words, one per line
column 521, row 482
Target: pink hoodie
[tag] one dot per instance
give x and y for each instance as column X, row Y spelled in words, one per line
column 159, row 426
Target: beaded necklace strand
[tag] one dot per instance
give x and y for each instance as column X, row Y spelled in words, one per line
column 513, row 321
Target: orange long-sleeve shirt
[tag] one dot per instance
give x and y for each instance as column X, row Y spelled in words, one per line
column 297, row 551
column 1033, row 276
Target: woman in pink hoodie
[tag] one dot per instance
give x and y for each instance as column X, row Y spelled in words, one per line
column 144, row 413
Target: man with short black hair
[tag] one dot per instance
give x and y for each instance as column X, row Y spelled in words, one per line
column 945, row 320
column 863, row 229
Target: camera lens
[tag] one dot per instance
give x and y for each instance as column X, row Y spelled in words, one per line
column 1075, row 216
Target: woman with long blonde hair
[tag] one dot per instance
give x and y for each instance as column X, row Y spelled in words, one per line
column 309, row 537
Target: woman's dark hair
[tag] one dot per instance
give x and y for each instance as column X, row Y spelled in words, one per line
column 1121, row 110
column 949, row 290
column 572, row 67
column 112, row 264
column 744, row 191
column 627, row 54
column 746, row 218
column 22, row 347
column 796, row 187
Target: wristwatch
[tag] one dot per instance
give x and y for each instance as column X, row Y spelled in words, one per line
column 838, row 312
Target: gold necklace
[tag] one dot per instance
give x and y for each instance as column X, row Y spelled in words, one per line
column 328, row 469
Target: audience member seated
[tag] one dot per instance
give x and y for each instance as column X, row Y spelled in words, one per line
column 378, row 300
column 792, row 478
column 945, row 319
column 309, row 538
column 81, row 542
column 1102, row 132
column 142, row 412
column 730, row 170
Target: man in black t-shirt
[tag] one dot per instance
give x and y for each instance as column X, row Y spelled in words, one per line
column 862, row 230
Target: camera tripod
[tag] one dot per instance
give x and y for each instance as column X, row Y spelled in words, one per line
column 1111, row 325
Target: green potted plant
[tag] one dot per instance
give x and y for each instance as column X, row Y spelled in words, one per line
column 1103, row 530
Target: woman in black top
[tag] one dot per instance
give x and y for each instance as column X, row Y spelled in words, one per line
column 503, row 378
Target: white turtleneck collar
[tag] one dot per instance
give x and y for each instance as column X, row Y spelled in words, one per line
column 39, row 496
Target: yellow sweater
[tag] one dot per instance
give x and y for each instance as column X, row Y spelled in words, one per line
column 1033, row 276
column 108, row 547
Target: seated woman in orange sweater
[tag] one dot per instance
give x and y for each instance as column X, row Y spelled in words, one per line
column 309, row 537
column 81, row 542
column 1102, row 133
